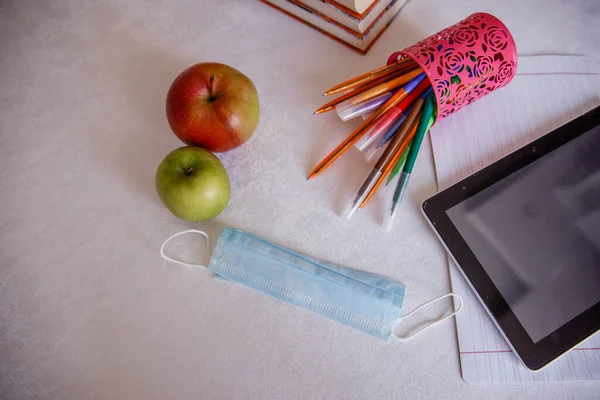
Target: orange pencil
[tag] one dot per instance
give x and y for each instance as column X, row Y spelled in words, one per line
column 331, row 105
column 364, row 127
column 358, row 80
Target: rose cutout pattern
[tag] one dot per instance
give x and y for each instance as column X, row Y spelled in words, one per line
column 466, row 61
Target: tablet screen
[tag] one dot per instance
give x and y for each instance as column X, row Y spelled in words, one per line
column 537, row 235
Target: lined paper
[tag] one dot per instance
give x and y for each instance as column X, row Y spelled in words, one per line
column 548, row 91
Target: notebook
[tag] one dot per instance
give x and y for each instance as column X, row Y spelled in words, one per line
column 340, row 16
column 342, row 34
column 547, row 91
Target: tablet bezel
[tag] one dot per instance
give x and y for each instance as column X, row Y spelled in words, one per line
column 533, row 355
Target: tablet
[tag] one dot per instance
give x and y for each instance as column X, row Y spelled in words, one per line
column 525, row 233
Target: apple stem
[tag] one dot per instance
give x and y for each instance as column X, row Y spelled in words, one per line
column 189, row 171
column 210, row 87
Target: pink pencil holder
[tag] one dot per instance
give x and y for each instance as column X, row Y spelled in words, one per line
column 465, row 61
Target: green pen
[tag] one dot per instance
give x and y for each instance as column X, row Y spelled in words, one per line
column 394, row 172
column 427, row 119
column 400, row 164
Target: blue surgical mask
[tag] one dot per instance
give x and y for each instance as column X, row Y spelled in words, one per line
column 364, row 301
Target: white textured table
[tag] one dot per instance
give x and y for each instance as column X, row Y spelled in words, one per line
column 87, row 307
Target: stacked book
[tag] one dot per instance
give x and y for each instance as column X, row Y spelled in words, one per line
column 355, row 23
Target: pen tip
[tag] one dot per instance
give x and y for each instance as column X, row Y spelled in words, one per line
column 389, row 221
column 349, row 211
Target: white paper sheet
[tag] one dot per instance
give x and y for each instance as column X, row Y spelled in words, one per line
column 548, row 91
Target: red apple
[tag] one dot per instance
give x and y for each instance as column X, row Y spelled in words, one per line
column 213, row 106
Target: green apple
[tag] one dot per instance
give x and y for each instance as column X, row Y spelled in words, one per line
column 193, row 184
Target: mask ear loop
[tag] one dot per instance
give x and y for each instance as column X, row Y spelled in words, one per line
column 436, row 321
column 173, row 260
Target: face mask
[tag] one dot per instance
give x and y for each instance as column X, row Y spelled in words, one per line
column 364, row 301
